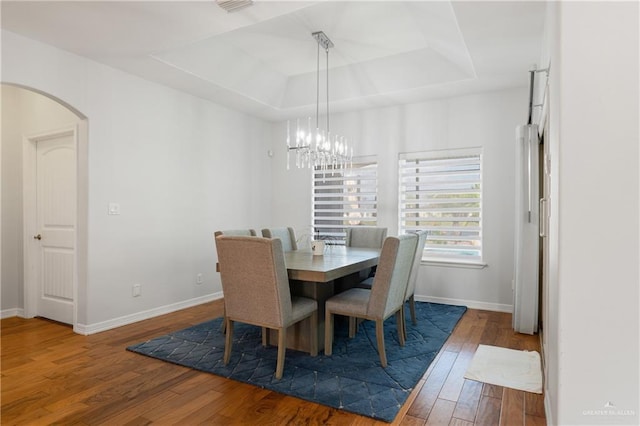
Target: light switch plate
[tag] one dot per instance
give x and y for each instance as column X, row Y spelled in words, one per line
column 114, row 208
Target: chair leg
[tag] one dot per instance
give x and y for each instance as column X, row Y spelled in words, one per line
column 265, row 336
column 400, row 325
column 228, row 341
column 328, row 332
column 404, row 323
column 282, row 348
column 314, row 333
column 223, row 326
column 352, row 327
column 412, row 308
column 380, row 340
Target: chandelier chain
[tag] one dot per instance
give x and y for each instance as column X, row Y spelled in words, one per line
column 318, row 86
column 327, row 52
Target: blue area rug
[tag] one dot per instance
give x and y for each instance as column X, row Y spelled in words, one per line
column 351, row 379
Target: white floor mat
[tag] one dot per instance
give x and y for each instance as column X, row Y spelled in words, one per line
column 506, row 367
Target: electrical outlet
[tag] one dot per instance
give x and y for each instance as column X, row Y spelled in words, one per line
column 199, row 279
column 136, row 290
column 114, row 209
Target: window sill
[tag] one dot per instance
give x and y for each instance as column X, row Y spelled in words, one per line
column 454, row 263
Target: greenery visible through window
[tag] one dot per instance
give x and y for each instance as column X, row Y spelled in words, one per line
column 345, row 198
column 441, row 192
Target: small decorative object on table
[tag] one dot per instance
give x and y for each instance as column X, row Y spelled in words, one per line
column 317, row 248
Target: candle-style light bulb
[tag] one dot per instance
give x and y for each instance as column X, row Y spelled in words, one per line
column 288, row 135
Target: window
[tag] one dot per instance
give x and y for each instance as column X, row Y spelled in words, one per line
column 344, row 198
column 441, row 192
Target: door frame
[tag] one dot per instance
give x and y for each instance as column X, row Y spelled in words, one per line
column 78, row 131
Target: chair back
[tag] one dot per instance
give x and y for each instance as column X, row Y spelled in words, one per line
column 254, row 280
column 365, row 236
column 286, row 235
column 415, row 267
column 237, row 232
column 392, row 276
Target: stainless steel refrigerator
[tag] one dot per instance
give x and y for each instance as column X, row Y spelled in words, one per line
column 527, row 234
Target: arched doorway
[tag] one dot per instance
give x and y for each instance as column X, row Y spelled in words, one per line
column 36, row 271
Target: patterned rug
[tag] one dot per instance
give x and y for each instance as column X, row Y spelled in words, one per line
column 351, row 379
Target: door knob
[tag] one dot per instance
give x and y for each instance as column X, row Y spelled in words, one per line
column 37, row 237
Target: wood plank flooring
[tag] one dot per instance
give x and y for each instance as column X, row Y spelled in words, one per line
column 49, row 375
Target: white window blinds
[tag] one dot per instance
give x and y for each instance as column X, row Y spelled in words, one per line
column 344, row 198
column 441, row 192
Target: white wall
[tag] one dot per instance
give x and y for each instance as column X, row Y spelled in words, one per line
column 593, row 326
column 180, row 167
column 23, row 113
column 598, row 275
column 486, row 120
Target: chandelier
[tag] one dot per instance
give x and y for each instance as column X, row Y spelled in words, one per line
column 318, row 148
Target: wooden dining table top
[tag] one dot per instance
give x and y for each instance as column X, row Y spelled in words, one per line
column 336, row 262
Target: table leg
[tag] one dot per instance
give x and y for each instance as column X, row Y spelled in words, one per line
column 298, row 334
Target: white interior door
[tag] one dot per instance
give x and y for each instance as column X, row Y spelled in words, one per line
column 55, row 230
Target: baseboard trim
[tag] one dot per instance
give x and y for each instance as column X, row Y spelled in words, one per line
column 472, row 304
column 547, row 407
column 86, row 329
column 547, row 401
column 14, row 312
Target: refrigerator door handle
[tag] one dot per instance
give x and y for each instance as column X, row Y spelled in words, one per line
column 542, row 217
column 527, row 142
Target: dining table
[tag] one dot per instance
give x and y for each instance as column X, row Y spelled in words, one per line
column 319, row 277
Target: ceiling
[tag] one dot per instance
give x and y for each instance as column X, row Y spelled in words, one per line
column 262, row 59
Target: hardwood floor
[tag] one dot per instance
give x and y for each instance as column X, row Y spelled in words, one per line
column 52, row 376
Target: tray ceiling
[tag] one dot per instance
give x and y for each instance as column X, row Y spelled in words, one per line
column 262, row 59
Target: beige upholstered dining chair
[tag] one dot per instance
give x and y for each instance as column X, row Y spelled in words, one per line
column 413, row 278
column 237, row 232
column 385, row 298
column 286, row 235
column 365, row 236
column 256, row 291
